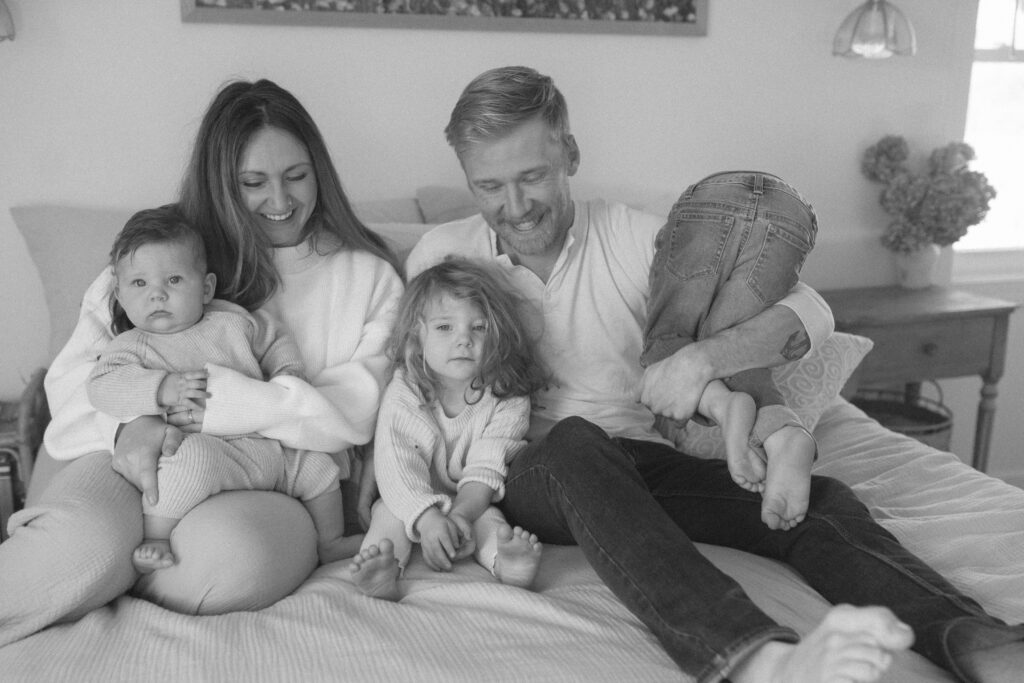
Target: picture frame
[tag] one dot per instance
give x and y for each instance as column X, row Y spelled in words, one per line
column 638, row 17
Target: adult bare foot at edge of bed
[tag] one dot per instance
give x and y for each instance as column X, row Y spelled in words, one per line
column 851, row 644
column 374, row 571
column 999, row 664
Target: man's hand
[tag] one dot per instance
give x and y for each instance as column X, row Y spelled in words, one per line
column 439, row 539
column 140, row 444
column 673, row 386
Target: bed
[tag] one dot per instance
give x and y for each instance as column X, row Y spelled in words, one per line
column 464, row 626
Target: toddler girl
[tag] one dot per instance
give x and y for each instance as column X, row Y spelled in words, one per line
column 453, row 416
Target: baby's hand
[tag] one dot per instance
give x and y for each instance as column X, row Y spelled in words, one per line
column 180, row 388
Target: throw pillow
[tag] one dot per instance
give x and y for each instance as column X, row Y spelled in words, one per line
column 70, row 246
column 809, row 385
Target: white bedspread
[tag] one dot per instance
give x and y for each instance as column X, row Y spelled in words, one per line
column 465, row 627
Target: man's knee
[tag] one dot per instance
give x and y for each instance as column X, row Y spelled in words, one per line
column 831, row 496
column 575, row 450
column 572, row 432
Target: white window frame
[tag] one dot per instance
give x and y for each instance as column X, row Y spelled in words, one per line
column 1006, row 264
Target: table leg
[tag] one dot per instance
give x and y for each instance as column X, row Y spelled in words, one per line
column 983, row 426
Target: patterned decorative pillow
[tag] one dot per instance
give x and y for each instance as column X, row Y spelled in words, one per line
column 809, row 385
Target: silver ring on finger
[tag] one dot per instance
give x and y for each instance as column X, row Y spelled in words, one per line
column 191, row 419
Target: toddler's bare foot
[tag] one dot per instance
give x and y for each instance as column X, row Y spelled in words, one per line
column 518, row 556
column 737, row 419
column 153, row 554
column 340, row 548
column 374, row 571
column 850, row 645
column 787, row 486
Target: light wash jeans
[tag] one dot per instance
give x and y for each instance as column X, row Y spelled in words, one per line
column 733, row 245
column 636, row 508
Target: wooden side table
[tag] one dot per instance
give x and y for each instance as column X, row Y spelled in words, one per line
column 930, row 333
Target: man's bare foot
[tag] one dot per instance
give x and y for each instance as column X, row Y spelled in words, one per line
column 850, row 645
column 988, row 653
column 518, row 556
column 340, row 548
column 374, row 571
column 787, row 486
column 736, row 417
column 153, row 554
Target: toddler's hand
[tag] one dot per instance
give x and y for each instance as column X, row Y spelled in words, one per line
column 181, row 388
column 467, row 542
column 439, row 538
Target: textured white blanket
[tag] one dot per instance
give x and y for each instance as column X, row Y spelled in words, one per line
column 465, row 627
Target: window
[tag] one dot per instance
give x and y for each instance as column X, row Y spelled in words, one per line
column 995, row 123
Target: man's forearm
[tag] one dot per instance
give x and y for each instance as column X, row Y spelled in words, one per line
column 772, row 337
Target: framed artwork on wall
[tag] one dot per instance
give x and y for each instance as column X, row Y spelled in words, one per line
column 642, row 17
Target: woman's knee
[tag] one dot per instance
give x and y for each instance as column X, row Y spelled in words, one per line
column 239, row 550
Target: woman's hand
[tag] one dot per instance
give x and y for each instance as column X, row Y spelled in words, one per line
column 186, row 418
column 140, row 443
column 439, row 539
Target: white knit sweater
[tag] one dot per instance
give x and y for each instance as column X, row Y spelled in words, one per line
column 422, row 457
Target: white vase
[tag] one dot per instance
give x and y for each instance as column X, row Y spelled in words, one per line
column 916, row 269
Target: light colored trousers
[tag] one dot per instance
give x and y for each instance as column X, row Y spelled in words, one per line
column 384, row 524
column 205, row 465
column 70, row 550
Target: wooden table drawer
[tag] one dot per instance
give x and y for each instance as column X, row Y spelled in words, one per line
column 929, row 349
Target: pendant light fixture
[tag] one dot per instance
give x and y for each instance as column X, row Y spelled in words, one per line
column 875, row 30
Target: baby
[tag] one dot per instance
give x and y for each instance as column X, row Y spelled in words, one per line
column 168, row 326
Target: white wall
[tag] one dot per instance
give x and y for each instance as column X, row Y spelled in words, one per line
column 99, row 102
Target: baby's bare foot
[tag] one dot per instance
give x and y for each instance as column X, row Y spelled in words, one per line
column 737, row 419
column 518, row 556
column 787, row 486
column 340, row 548
column 851, row 645
column 374, row 571
column 153, row 554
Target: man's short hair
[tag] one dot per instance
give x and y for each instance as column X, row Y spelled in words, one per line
column 502, row 99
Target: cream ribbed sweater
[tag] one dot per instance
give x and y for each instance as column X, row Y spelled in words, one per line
column 422, row 457
column 126, row 380
column 339, row 308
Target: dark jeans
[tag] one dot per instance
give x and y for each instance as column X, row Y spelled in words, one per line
column 636, row 508
column 733, row 245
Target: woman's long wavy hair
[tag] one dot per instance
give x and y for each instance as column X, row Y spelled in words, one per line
column 508, row 366
column 238, row 251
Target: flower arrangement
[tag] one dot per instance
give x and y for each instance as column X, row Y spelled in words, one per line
column 934, row 207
